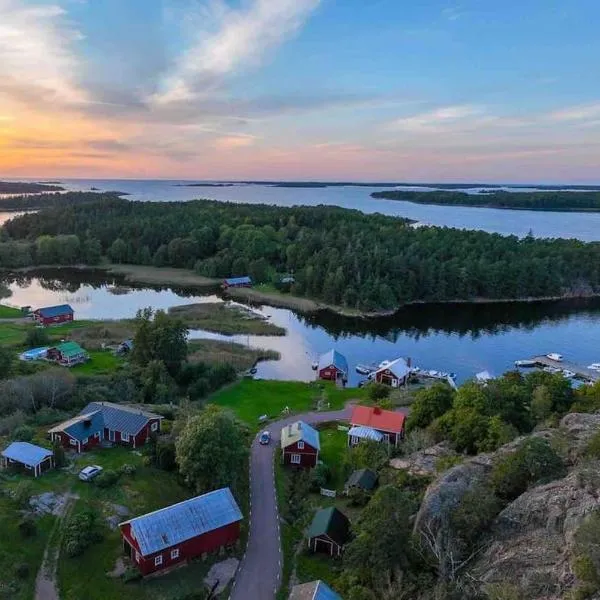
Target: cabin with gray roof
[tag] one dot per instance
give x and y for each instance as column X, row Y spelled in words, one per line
column 116, row 423
column 313, row 590
column 27, row 457
column 300, row 445
column 333, row 366
column 178, row 533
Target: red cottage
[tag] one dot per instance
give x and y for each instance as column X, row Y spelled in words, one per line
column 236, row 282
column 300, row 445
column 51, row 315
column 393, row 373
column 374, row 423
column 333, row 366
column 183, row 531
column 80, row 433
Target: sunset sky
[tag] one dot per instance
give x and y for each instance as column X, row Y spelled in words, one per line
column 359, row 90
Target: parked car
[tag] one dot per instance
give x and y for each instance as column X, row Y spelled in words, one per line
column 88, row 473
column 265, row 438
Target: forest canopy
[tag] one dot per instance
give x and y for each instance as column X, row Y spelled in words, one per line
column 548, row 200
column 339, row 256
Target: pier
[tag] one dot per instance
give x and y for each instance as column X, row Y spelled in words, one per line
column 580, row 372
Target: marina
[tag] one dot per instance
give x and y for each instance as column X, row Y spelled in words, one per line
column 568, row 369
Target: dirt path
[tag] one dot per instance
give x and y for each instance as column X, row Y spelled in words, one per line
column 45, row 582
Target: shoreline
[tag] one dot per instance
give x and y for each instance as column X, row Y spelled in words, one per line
column 174, row 277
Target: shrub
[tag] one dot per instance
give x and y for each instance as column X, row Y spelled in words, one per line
column 22, row 570
column 60, row 458
column 592, row 450
column 81, row 531
column 319, row 477
column 37, row 337
column 49, row 416
column 27, row 527
column 378, row 391
column 358, row 497
column 23, row 493
column 131, row 574
column 11, row 422
column 447, row 462
column 128, row 470
column 107, row 478
column 23, row 433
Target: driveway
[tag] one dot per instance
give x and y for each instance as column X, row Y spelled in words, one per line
column 259, row 575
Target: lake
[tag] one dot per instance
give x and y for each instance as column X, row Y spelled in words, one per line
column 583, row 226
column 461, row 338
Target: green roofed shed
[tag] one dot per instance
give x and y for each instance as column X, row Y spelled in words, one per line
column 68, row 354
column 365, row 479
column 329, row 531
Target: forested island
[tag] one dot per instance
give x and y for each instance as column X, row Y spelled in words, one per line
column 24, row 187
column 546, row 200
column 53, row 200
column 337, row 256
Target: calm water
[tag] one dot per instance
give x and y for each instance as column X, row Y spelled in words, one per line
column 583, row 226
column 462, row 338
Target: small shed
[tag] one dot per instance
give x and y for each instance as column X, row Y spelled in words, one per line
column 394, row 373
column 329, row 531
column 67, row 354
column 177, row 533
column 314, row 590
column 300, row 445
column 360, row 432
column 32, row 458
column 333, row 366
column 125, row 347
column 51, row 315
column 364, row 479
column 236, row 282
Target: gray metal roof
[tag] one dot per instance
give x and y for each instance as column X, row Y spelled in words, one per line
column 26, row 453
column 180, row 522
column 314, row 590
column 333, row 357
column 300, row 432
column 83, row 426
column 364, row 432
column 119, row 417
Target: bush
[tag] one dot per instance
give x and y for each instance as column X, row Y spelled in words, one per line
column 27, row 527
column 378, row 391
column 128, row 470
column 81, row 531
column 22, row 570
column 23, row 433
column 592, row 450
column 23, row 493
column 49, row 416
column 535, row 460
column 37, row 337
column 358, row 497
column 60, row 458
column 319, row 477
column 107, row 478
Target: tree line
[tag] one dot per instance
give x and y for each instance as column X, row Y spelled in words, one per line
column 339, row 256
column 550, row 200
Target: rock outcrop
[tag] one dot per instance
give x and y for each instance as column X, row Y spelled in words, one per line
column 423, row 462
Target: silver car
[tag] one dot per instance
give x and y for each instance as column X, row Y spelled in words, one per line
column 88, row 473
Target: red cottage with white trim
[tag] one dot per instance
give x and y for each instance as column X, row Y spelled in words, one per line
column 300, row 445
column 384, row 425
column 52, row 315
column 178, row 533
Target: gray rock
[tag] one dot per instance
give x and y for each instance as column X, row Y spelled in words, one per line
column 424, row 461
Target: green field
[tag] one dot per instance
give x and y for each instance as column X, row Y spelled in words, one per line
column 102, row 362
column 252, row 398
column 334, row 445
column 8, row 312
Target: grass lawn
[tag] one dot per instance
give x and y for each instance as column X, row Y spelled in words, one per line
column 102, row 362
column 252, row 398
column 334, row 445
column 9, row 312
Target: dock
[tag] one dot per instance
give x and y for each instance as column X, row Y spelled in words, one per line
column 580, row 372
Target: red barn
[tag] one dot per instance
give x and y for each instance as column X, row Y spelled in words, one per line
column 333, row 366
column 300, row 445
column 124, row 425
column 183, row 531
column 51, row 315
column 393, row 373
column 374, row 423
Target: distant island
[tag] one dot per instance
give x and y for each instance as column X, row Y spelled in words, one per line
column 24, row 187
column 562, row 200
column 54, row 200
column 204, row 184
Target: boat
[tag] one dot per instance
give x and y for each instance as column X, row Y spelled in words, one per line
column 365, row 369
column 555, row 356
column 525, row 363
column 483, row 377
column 551, row 370
column 568, row 374
column 594, row 366
column 384, row 363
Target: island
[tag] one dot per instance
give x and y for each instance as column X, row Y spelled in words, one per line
column 37, row 201
column 25, row 187
column 554, row 200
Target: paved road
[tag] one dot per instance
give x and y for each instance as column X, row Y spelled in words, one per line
column 260, row 570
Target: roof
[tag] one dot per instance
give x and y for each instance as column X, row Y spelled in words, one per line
column 314, row 590
column 77, row 427
column 54, row 311
column 333, row 357
column 363, row 478
column 378, row 418
column 398, row 367
column 300, row 432
column 69, row 349
column 175, row 524
column 332, row 523
column 237, row 280
column 26, row 453
column 119, row 417
column 365, row 433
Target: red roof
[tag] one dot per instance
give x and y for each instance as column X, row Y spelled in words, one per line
column 378, row 418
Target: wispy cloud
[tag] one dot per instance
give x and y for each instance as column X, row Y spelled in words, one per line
column 576, row 113
column 437, row 119
column 240, row 38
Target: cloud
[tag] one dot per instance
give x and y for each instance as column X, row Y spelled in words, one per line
column 576, row 113
column 37, row 53
column 231, row 142
column 437, row 119
column 241, row 37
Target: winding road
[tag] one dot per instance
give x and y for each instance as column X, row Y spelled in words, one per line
column 259, row 575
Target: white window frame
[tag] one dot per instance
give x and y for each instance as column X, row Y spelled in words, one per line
column 124, row 437
column 137, row 557
column 174, row 553
column 354, row 440
column 154, row 426
column 301, row 445
column 72, row 442
column 295, row 459
column 158, row 560
column 85, row 441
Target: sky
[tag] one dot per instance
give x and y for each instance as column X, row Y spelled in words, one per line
column 353, row 90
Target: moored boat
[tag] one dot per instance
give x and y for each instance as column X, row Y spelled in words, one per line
column 594, row 367
column 525, row 363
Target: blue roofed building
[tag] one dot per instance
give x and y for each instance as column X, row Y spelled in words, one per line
column 333, row 366
column 52, row 315
column 183, row 531
column 314, row 590
column 233, row 282
column 80, row 433
column 300, row 445
column 31, row 458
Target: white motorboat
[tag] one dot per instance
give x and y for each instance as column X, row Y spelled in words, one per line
column 551, row 370
column 594, row 366
column 568, row 374
column 555, row 356
column 525, row 363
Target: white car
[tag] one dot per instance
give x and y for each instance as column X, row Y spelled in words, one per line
column 88, row 473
